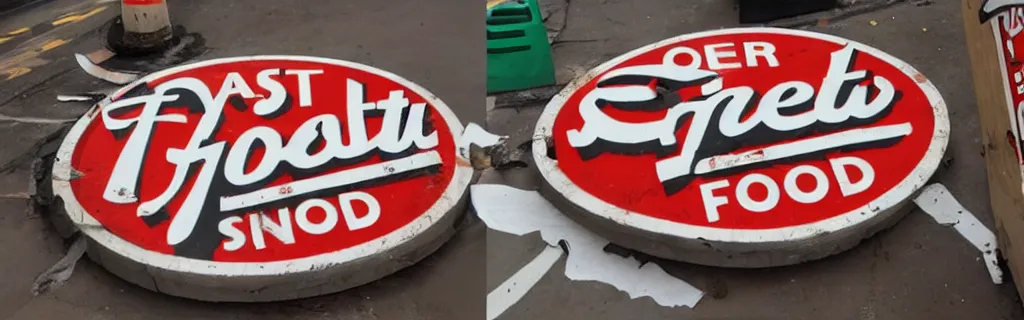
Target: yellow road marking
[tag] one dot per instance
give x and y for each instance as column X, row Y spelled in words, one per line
column 492, row 3
column 20, row 64
column 53, row 44
column 79, row 17
column 19, row 31
column 16, row 72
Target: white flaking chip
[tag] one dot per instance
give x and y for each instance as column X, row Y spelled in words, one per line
column 521, row 212
column 936, row 201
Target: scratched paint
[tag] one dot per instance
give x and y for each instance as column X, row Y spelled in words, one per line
column 21, row 49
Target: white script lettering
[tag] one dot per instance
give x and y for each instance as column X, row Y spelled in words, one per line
column 124, row 179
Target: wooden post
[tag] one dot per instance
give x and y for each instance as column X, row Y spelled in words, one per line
column 147, row 25
column 997, row 130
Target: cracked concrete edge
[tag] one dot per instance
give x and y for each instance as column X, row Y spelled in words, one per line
column 315, row 282
column 731, row 254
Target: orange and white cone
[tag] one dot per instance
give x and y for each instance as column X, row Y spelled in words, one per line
column 147, row 24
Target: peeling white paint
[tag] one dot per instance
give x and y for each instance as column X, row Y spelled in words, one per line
column 521, row 212
column 474, row 134
column 936, row 201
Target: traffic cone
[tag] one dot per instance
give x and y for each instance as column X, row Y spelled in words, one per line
column 147, row 25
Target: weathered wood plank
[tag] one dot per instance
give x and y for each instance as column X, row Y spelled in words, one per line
column 1004, row 174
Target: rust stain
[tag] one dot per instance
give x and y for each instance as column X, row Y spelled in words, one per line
column 285, row 190
column 920, row 78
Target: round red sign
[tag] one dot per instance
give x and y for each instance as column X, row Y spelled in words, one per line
column 256, row 168
column 744, row 147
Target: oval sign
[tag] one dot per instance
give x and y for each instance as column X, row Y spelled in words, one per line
column 231, row 175
column 747, row 147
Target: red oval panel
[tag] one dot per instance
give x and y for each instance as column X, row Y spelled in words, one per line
column 750, row 142
column 401, row 173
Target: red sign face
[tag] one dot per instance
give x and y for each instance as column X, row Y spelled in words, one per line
column 264, row 159
column 744, row 129
column 1007, row 29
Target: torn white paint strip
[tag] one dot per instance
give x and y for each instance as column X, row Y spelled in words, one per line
column 474, row 134
column 91, row 97
column 936, row 201
column 107, row 75
column 520, row 212
column 516, row 286
column 72, row 98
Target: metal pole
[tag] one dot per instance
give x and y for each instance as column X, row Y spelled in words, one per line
column 147, row 24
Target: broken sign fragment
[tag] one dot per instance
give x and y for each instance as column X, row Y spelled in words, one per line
column 520, row 212
column 91, row 97
column 936, row 201
column 94, row 70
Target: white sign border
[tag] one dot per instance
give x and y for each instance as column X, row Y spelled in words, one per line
column 595, row 206
column 92, row 228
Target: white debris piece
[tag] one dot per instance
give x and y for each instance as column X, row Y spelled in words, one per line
column 476, row 135
column 91, row 97
column 936, row 201
column 520, row 212
column 107, row 75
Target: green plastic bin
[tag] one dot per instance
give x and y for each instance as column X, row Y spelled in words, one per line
column 518, row 52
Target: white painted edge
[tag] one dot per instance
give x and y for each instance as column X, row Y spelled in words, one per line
column 520, row 212
column 93, row 229
column 902, row 191
column 937, row 202
column 508, row 293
